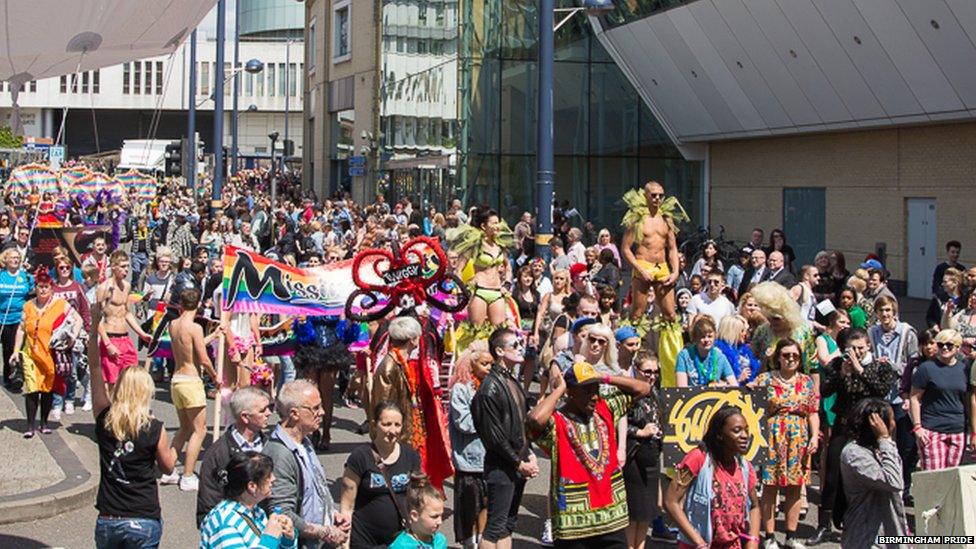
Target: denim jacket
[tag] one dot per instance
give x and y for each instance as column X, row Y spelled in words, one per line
column 698, row 500
column 469, row 452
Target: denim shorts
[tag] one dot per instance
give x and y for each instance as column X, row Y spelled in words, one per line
column 130, row 533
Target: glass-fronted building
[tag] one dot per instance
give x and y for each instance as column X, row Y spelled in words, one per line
column 271, row 19
column 606, row 139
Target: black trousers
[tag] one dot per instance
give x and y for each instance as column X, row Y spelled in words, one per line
column 613, row 540
column 505, row 487
column 832, row 497
column 8, row 333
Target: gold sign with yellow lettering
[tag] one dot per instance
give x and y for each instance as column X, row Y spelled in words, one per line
column 687, row 411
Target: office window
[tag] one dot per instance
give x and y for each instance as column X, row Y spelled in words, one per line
column 33, row 84
column 64, row 84
column 422, row 13
column 148, row 78
column 159, row 78
column 292, row 79
column 84, row 82
column 137, row 78
column 259, row 82
column 126, row 73
column 96, row 76
column 282, row 79
column 205, row 78
column 248, row 84
column 310, row 47
column 341, row 49
column 270, row 69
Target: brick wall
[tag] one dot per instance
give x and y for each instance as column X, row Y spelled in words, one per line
column 867, row 176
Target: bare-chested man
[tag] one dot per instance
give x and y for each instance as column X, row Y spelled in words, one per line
column 186, row 388
column 656, row 265
column 118, row 352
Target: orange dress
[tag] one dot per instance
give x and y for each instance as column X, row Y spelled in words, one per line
column 39, row 373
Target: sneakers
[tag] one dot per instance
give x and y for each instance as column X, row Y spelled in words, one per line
column 55, row 415
column 172, row 478
column 189, row 483
column 546, row 539
column 769, row 543
column 88, row 406
column 821, row 535
column 793, row 544
column 69, row 408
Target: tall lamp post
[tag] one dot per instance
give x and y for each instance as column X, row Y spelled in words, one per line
column 216, row 194
column 237, row 87
column 544, row 146
column 191, row 124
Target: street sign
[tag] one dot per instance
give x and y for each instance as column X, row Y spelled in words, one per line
column 357, row 171
column 357, row 161
column 56, row 156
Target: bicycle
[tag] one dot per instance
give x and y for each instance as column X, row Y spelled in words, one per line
column 693, row 246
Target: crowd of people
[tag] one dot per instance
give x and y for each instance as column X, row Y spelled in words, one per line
column 562, row 358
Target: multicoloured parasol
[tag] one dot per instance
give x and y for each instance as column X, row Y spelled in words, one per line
column 30, row 177
column 143, row 186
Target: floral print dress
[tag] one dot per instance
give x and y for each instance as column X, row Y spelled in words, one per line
column 787, row 428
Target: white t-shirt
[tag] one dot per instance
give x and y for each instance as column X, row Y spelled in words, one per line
column 718, row 309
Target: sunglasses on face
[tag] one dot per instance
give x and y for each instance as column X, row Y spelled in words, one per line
column 790, row 357
column 947, row 345
column 656, row 195
column 597, row 340
column 651, row 371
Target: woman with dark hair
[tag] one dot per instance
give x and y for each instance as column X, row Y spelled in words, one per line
column 777, row 243
column 527, row 300
column 793, row 431
column 848, row 301
column 871, row 469
column 609, row 273
column 709, row 256
column 238, row 522
column 713, row 499
column 376, row 474
column 838, row 271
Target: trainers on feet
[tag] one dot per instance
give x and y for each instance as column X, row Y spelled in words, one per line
column 172, row 478
column 546, row 539
column 793, row 544
column 69, row 408
column 189, row 483
column 88, row 406
column 55, row 415
column 769, row 543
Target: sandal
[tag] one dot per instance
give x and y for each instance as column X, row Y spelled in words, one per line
column 29, row 434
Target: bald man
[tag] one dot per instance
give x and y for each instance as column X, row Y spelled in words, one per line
column 778, row 272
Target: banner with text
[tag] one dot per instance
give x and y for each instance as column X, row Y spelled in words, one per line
column 687, row 410
column 255, row 284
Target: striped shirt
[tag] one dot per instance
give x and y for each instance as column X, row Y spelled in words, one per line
column 229, row 526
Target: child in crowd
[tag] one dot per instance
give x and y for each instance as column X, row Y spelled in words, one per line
column 425, row 506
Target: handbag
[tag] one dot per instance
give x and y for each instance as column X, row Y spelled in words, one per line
column 401, row 513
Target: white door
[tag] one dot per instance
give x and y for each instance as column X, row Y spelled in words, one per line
column 922, row 248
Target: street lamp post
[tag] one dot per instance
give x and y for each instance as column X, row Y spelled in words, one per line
column 191, row 123
column 218, row 139
column 237, row 86
column 544, row 146
column 284, row 153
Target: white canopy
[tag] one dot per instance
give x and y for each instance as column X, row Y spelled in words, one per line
column 45, row 38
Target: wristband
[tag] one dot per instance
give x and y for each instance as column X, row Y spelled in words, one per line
column 606, row 379
column 917, row 428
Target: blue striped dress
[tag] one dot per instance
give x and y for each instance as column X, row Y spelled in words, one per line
column 226, row 527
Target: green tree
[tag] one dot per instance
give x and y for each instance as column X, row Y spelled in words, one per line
column 8, row 140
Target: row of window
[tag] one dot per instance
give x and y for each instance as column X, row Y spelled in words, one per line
column 84, row 82
column 270, row 82
column 142, row 78
column 30, row 87
column 422, row 46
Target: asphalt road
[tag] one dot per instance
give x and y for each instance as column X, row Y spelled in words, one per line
column 76, row 529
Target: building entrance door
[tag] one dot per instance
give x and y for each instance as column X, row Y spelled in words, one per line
column 922, row 248
column 804, row 222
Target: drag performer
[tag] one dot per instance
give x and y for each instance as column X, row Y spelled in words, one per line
column 485, row 242
column 650, row 227
column 406, row 347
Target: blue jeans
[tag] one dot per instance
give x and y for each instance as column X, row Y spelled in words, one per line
column 70, row 385
column 138, row 263
column 134, row 533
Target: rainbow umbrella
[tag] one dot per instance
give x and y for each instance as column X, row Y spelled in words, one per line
column 71, row 178
column 100, row 182
column 24, row 179
column 134, row 182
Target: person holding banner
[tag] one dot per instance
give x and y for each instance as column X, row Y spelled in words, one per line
column 793, row 431
column 713, row 498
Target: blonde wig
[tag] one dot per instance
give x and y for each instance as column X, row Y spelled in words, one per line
column 774, row 300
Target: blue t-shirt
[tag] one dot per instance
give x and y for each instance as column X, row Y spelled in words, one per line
column 946, row 395
column 715, row 367
column 406, row 541
column 14, row 289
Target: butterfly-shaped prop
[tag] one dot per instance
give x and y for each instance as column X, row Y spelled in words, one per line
column 416, row 274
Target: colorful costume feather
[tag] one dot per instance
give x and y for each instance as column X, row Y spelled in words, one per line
column 636, row 201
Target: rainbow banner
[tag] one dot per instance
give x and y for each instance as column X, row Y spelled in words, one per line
column 255, row 284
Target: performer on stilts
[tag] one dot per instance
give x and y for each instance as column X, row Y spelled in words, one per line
column 485, row 242
column 650, row 246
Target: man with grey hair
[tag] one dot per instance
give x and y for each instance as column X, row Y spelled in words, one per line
column 300, row 489
column 250, row 409
column 576, row 250
column 390, row 379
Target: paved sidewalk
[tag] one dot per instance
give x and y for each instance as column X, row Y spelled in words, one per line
column 43, row 476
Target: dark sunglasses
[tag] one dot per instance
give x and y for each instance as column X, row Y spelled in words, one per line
column 947, row 345
column 657, row 195
column 651, row 372
column 600, row 340
column 790, row 356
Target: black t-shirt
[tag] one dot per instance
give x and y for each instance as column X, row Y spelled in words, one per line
column 375, row 521
column 944, row 401
column 127, row 487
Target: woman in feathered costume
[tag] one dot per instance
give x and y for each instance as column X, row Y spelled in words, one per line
column 485, row 243
column 651, row 248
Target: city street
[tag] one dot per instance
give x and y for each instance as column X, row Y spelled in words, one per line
column 75, row 529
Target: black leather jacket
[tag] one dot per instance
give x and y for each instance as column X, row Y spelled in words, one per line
column 500, row 420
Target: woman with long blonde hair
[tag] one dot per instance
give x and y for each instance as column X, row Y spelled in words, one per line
column 131, row 443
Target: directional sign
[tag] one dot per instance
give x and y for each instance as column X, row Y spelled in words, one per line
column 56, row 156
column 357, row 161
column 357, row 171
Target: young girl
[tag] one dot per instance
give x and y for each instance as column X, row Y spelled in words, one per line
column 426, row 508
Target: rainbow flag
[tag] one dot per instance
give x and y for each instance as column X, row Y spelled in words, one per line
column 255, row 284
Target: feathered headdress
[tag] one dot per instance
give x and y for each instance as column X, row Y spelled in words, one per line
column 636, row 201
